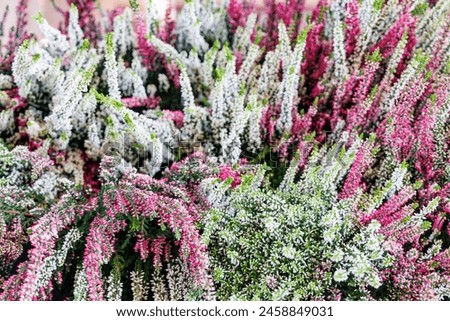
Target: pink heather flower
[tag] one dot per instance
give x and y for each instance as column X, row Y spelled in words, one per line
column 91, row 181
column 239, row 59
column 172, row 210
column 353, row 182
column 268, row 121
column 150, row 54
column 177, row 116
column 271, row 282
column 99, row 249
column 11, row 238
column 157, row 249
column 399, row 134
column 226, row 172
column 44, row 234
column 438, row 222
column 302, row 124
column 357, row 114
column 238, row 12
column 439, row 47
column 113, row 14
column 167, row 33
column 316, row 53
column 353, row 29
column 290, row 13
column 424, row 129
column 145, row 49
column 11, row 286
column 142, row 247
column 151, row 102
column 390, row 40
column 391, row 211
column 424, row 133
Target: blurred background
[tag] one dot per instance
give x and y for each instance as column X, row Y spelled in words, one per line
column 53, row 17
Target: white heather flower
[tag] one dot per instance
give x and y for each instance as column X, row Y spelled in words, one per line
column 340, row 62
column 340, row 275
column 46, row 185
column 157, row 157
column 80, row 291
column 329, row 236
column 6, row 120
column 337, row 255
column 59, row 121
column 152, row 18
column 283, row 50
column 163, row 81
column 111, row 68
column 412, row 71
column 289, row 252
column 6, row 82
column 248, row 63
column 33, row 129
column 51, row 263
column 271, row 224
column 289, row 87
column 188, row 29
column 56, row 42
column 139, row 286
column 374, row 281
column 74, row 31
column 268, row 78
column 207, row 68
column 242, row 36
column 114, row 288
column 123, row 32
column 361, row 267
column 166, row 49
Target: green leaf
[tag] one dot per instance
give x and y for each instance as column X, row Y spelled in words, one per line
column 420, row 9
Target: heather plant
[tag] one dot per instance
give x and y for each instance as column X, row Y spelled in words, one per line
column 319, row 237
column 137, row 239
column 263, row 154
column 298, row 241
column 27, row 190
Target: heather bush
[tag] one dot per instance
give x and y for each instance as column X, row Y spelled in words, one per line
column 257, row 154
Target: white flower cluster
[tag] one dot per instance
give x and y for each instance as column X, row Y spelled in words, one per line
column 52, row 263
column 59, row 99
column 292, row 233
column 114, row 288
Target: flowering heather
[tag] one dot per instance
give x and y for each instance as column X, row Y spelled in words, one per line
column 227, row 152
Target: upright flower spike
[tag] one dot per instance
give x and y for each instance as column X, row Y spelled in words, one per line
column 60, row 120
column 238, row 12
column 289, row 86
column 57, row 43
column 188, row 29
column 111, row 68
column 352, row 30
column 363, row 99
column 87, row 20
column 74, row 31
column 425, row 153
column 362, row 161
column 339, row 56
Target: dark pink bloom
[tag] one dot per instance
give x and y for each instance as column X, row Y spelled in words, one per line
column 227, row 172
